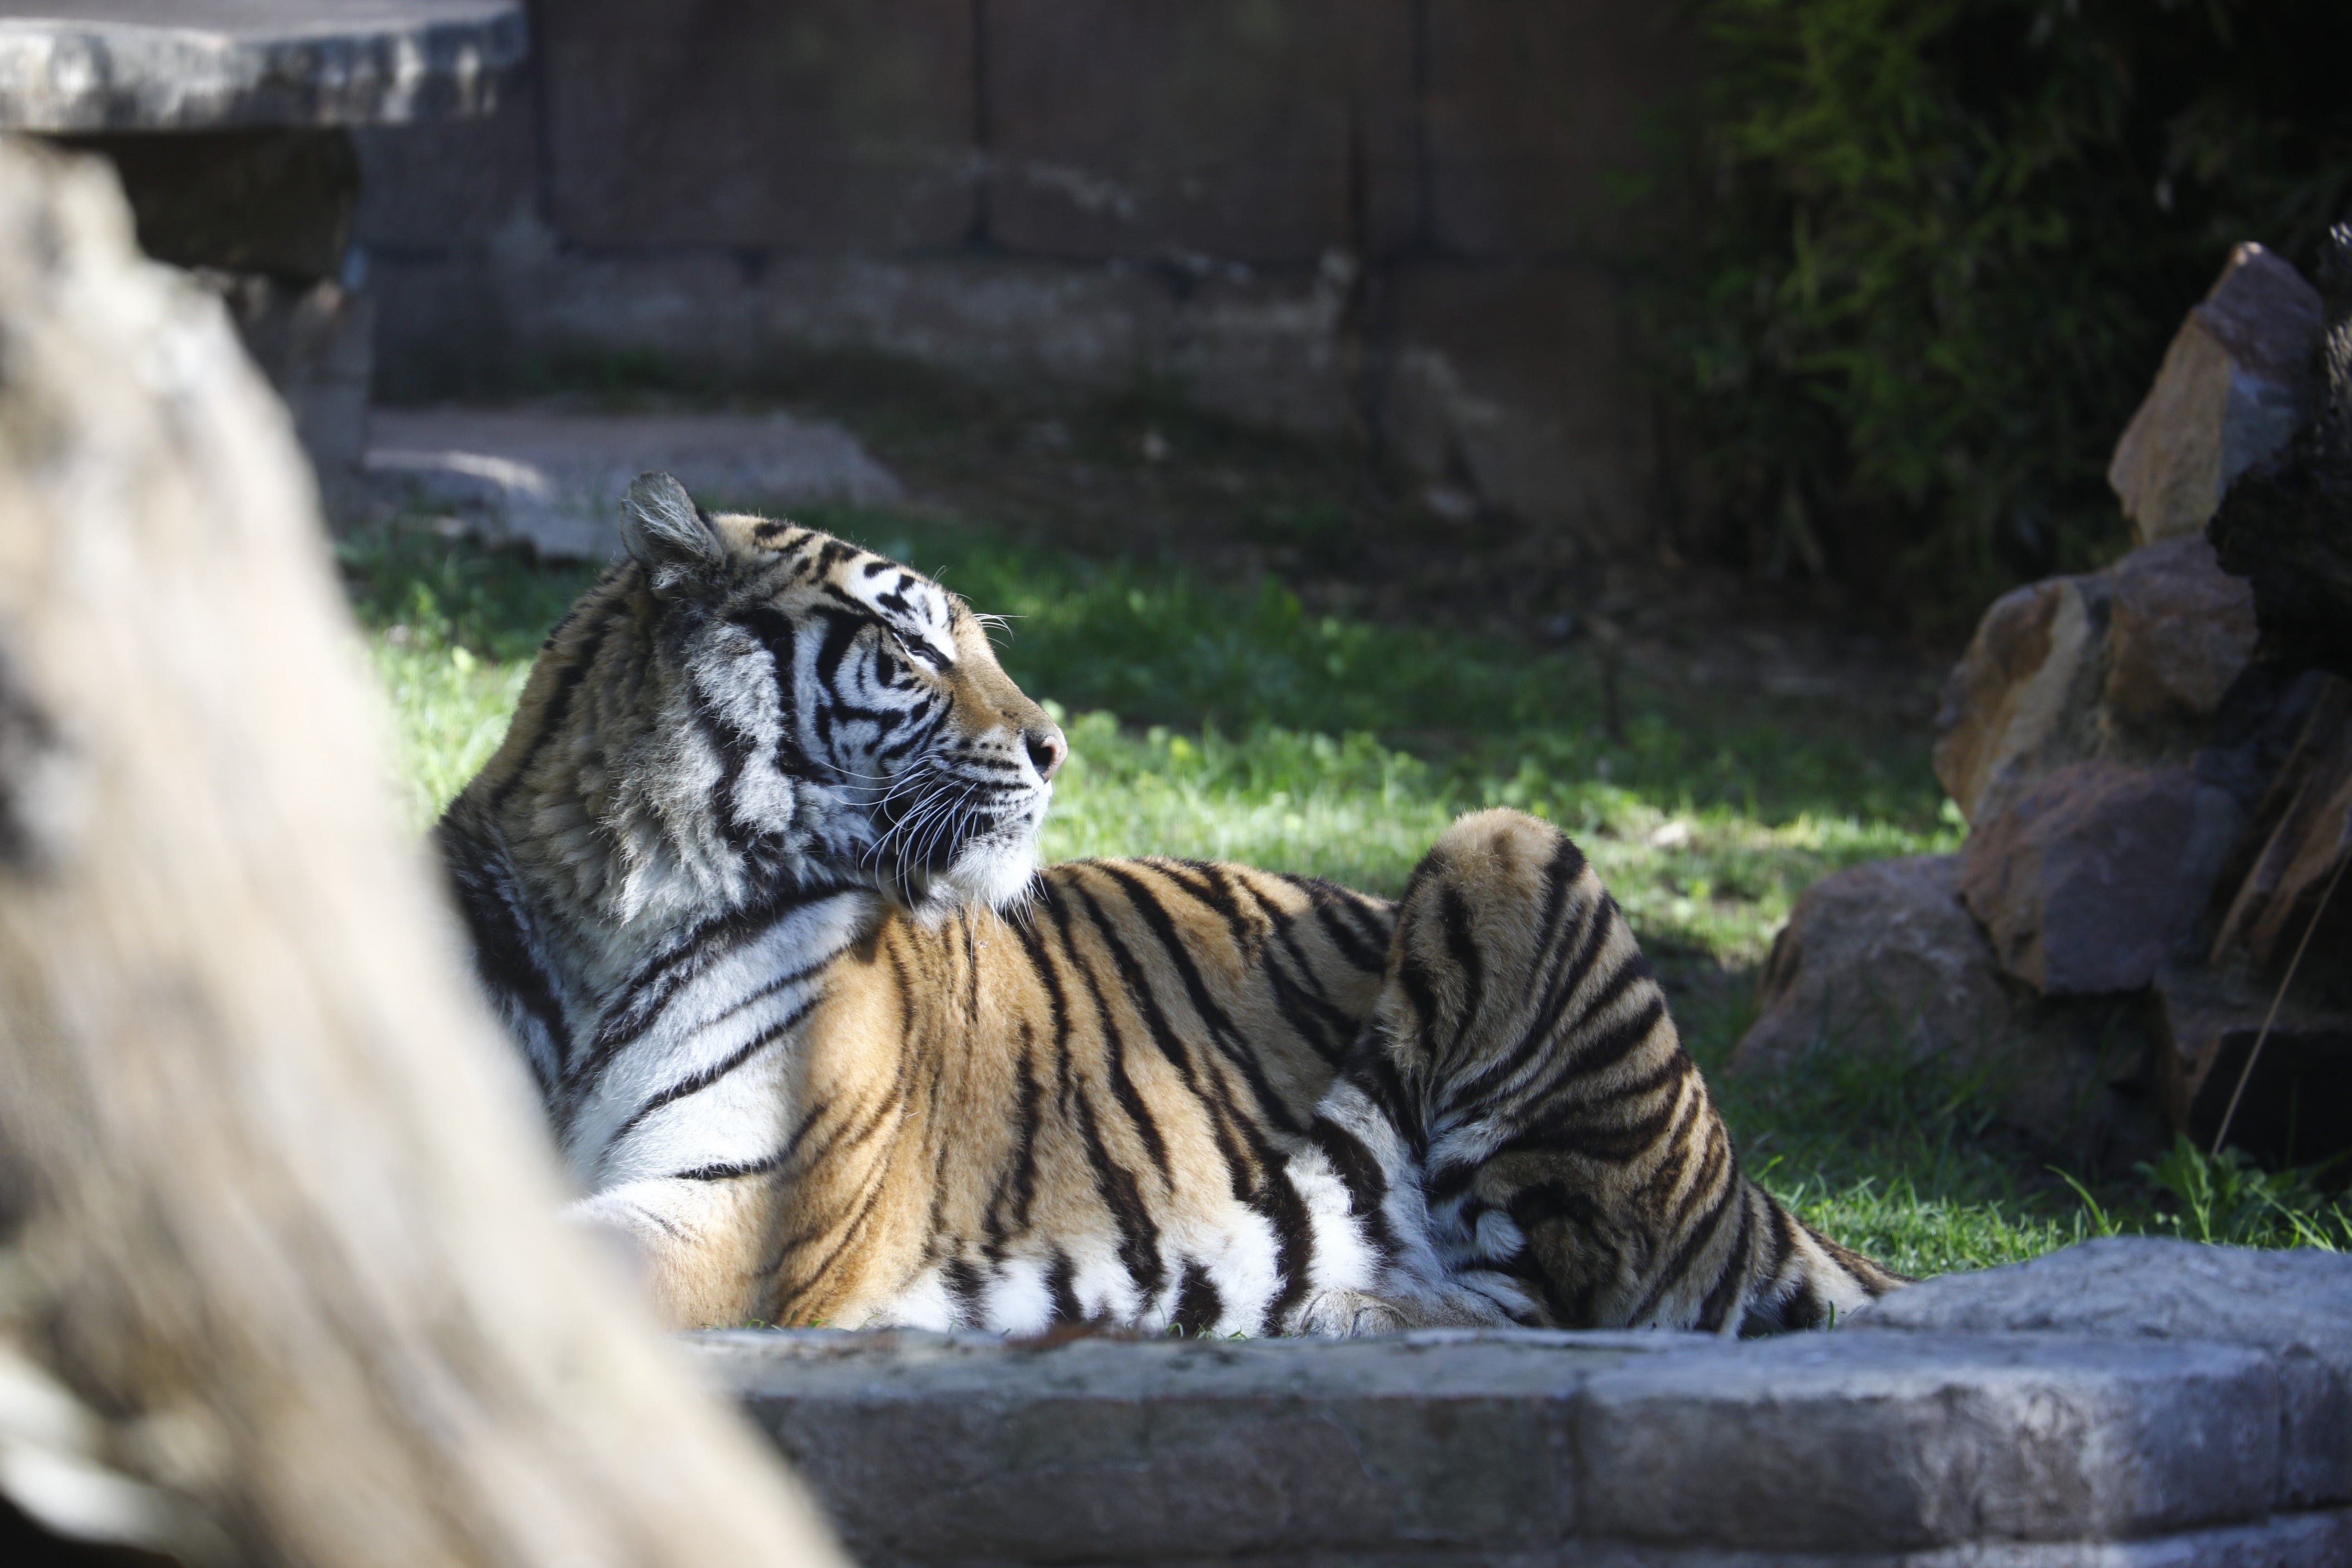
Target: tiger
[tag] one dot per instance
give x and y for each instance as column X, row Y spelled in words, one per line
column 752, row 882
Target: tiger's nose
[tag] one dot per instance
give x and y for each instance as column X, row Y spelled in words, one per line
column 1047, row 748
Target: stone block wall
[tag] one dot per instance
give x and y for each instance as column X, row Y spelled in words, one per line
column 1396, row 220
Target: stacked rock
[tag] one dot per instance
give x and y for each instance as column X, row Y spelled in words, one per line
column 2155, row 761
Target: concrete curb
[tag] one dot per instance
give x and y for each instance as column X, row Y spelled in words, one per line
column 1905, row 1442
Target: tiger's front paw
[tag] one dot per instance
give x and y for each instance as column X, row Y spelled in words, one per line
column 1348, row 1314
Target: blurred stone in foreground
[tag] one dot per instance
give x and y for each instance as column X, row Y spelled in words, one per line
column 282, row 1279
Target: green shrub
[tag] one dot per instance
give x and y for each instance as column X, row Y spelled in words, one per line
column 1939, row 247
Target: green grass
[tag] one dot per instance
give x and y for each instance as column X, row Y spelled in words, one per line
column 1213, row 721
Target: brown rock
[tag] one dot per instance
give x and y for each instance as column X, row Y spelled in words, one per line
column 2286, row 523
column 2096, row 877
column 2231, row 391
column 1242, row 130
column 2292, row 1108
column 1885, row 959
column 1884, row 951
column 2180, row 631
column 2024, row 698
column 2305, row 828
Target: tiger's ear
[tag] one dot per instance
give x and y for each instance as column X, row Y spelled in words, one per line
column 667, row 534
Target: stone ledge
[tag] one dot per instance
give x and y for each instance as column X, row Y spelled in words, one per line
column 180, row 65
column 2028, row 1415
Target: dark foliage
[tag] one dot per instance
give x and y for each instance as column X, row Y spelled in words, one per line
column 1941, row 247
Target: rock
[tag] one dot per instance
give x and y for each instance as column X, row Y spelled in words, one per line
column 2297, row 1306
column 2024, row 698
column 2303, row 830
column 2286, row 524
column 967, row 1448
column 2231, row 391
column 1884, row 950
column 2205, row 1027
column 1908, row 1444
column 279, row 201
column 254, row 62
column 1883, row 958
column 1892, row 1442
column 555, row 480
column 2098, row 874
column 2180, row 632
column 2260, row 725
column 315, row 341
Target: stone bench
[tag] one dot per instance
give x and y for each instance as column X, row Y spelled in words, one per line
column 2125, row 1402
column 230, row 124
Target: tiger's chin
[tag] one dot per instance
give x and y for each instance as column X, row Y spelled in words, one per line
column 994, row 870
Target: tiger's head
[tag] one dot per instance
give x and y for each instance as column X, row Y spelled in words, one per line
column 746, row 704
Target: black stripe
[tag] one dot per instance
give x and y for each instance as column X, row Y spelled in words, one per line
column 552, row 713
column 1060, row 1289
column 698, row 1083
column 963, row 1283
column 1198, row 1306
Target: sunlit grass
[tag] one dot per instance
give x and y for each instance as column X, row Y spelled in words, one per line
column 1226, row 722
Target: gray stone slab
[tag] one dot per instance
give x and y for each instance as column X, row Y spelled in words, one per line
column 2297, row 1306
column 945, row 1449
column 554, row 479
column 2287, row 1540
column 2012, row 1449
column 1887, row 1442
column 163, row 65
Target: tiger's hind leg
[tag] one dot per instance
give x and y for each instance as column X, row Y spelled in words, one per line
column 1519, row 1118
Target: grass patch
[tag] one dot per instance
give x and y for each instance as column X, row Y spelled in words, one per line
column 1224, row 722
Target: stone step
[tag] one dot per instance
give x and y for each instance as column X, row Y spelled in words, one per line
column 2102, row 1434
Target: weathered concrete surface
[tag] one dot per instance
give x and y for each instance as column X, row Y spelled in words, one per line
column 2233, row 387
column 1268, row 348
column 1473, row 394
column 152, row 64
column 1255, row 131
column 821, row 126
column 2296, row 1307
column 2119, row 1403
column 555, row 480
column 1375, row 220
column 1837, row 1443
